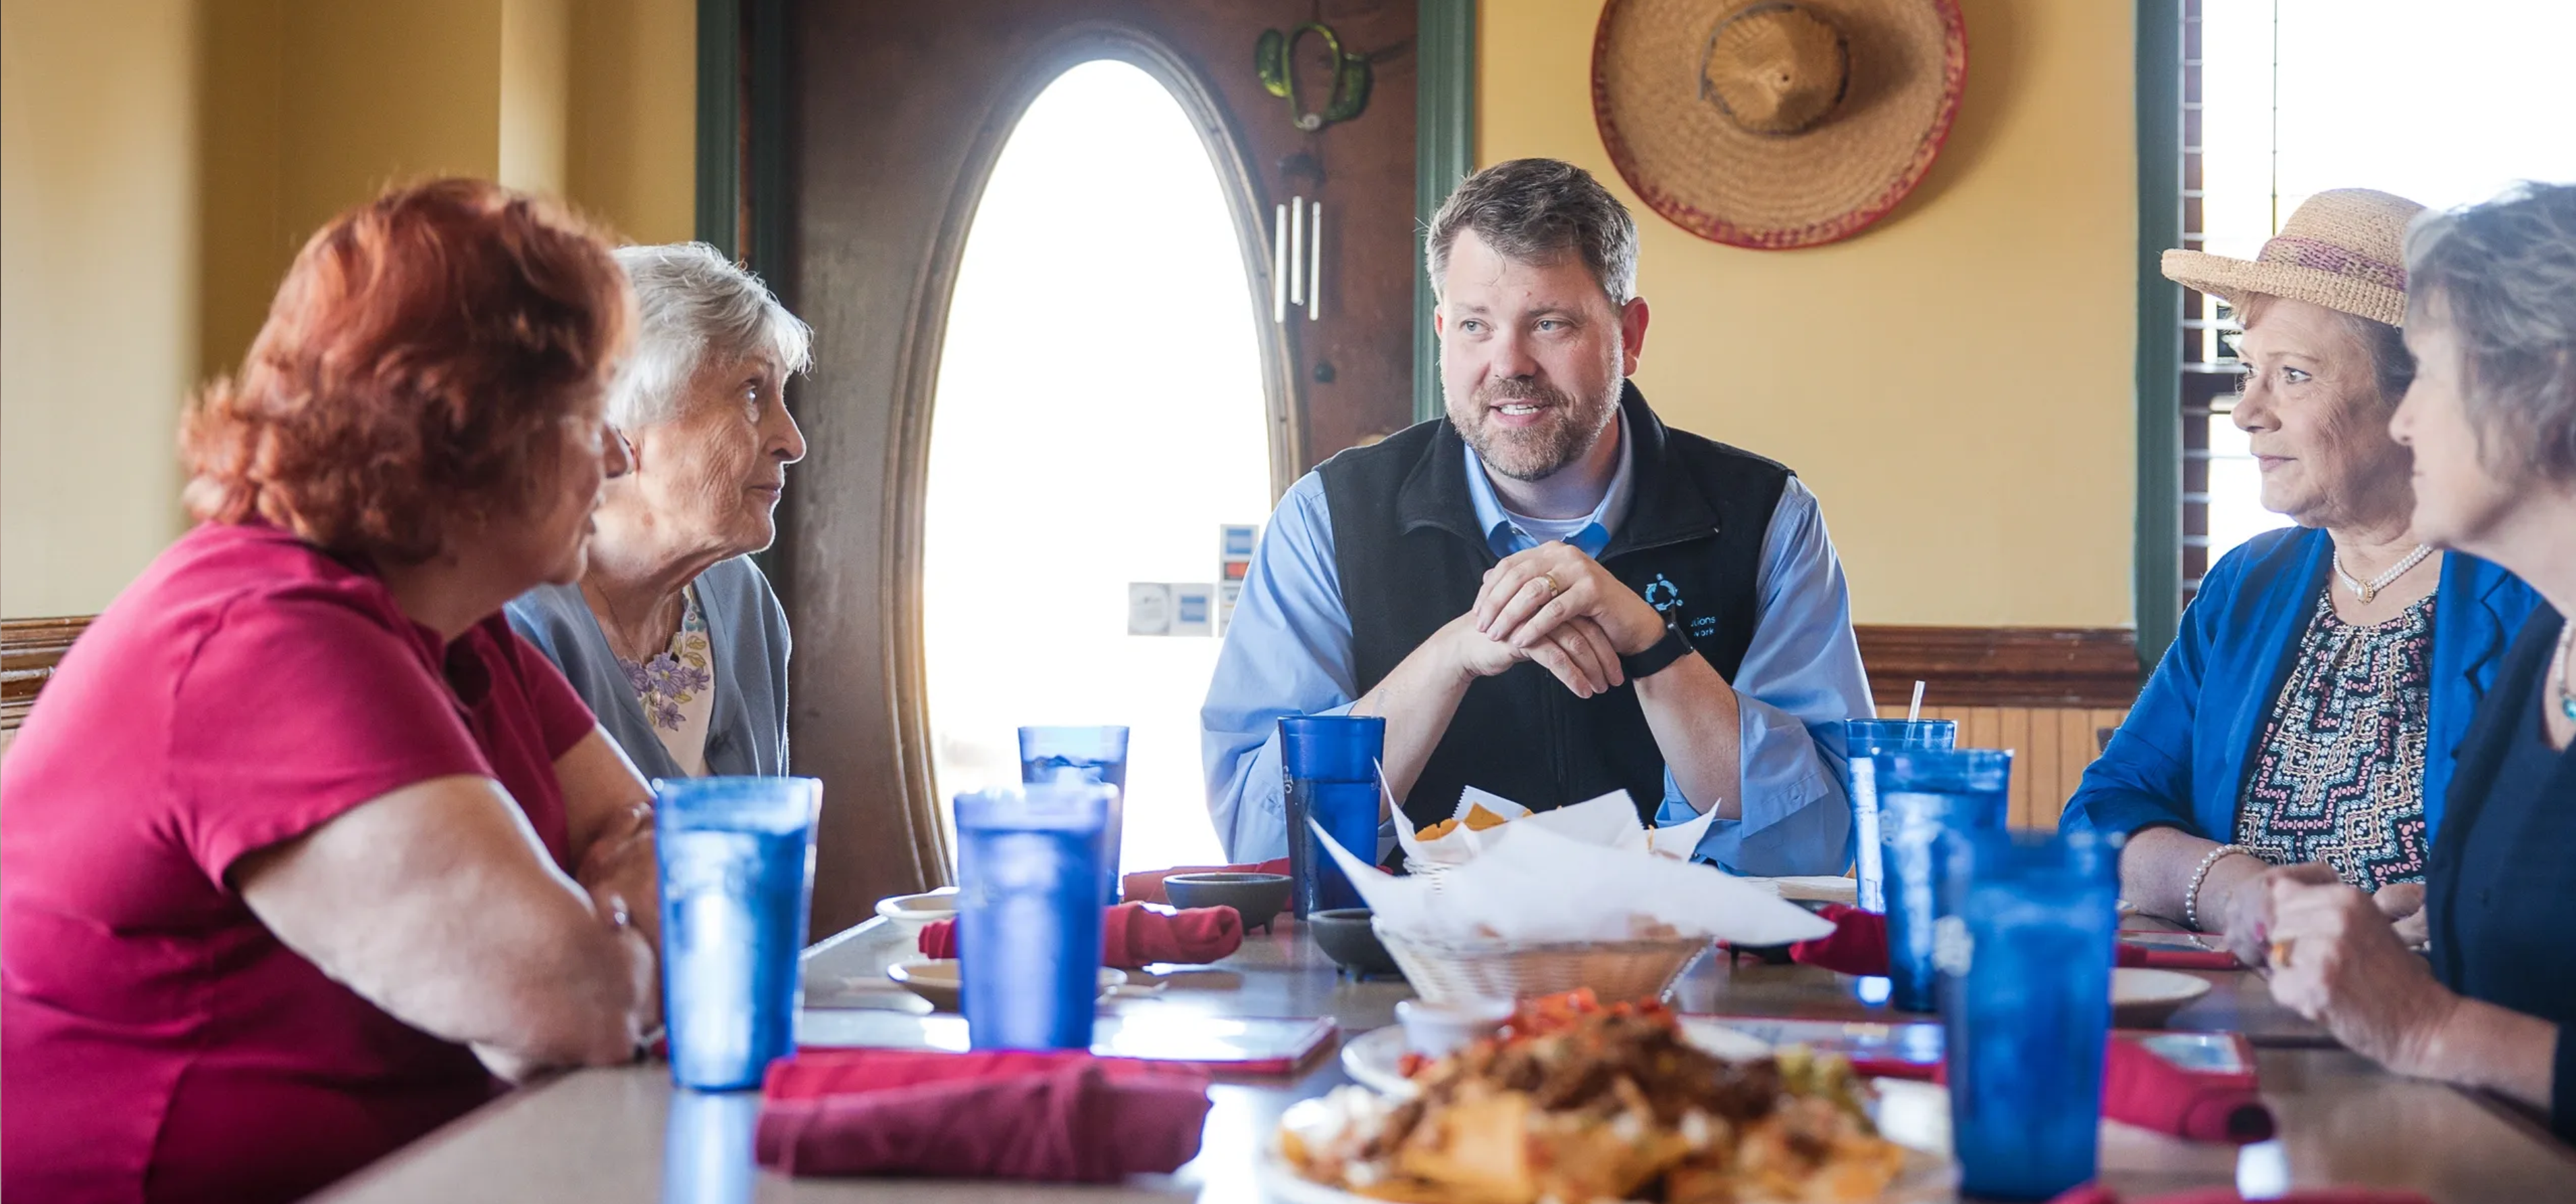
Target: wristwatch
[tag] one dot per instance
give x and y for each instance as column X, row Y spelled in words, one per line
column 1657, row 657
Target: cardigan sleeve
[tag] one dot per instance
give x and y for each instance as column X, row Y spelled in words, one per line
column 2143, row 779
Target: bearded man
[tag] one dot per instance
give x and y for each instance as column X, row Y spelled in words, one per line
column 1549, row 593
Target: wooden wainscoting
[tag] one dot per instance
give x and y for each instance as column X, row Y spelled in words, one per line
column 29, row 650
column 2047, row 693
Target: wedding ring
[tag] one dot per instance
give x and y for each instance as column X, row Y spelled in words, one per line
column 1549, row 580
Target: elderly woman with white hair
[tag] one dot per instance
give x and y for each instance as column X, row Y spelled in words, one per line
column 673, row 636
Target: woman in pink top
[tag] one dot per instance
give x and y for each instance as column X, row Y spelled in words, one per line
column 302, row 851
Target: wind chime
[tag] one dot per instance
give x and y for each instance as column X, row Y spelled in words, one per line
column 1297, row 230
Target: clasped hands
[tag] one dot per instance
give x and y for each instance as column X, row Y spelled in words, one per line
column 1556, row 606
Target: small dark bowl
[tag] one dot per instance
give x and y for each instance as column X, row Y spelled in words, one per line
column 1257, row 897
column 1345, row 936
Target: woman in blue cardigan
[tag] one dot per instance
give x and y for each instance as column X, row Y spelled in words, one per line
column 2304, row 723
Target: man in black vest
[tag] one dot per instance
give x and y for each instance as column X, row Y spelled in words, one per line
column 1550, row 594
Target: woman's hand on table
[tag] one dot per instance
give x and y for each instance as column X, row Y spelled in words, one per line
column 2337, row 959
column 2239, row 894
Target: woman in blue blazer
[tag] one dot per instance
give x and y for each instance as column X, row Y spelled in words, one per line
column 2305, row 721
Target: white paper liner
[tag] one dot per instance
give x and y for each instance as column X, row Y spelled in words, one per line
column 1541, row 886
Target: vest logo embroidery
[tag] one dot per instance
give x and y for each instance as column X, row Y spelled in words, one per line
column 1666, row 598
column 1662, row 594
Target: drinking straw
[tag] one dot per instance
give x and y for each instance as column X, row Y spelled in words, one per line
column 1915, row 711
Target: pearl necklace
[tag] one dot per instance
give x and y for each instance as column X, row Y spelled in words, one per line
column 2367, row 590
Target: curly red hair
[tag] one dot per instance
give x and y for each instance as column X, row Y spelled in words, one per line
column 416, row 356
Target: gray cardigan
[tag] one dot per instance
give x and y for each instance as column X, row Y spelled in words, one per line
column 746, row 629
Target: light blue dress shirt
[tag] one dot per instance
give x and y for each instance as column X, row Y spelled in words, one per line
column 1288, row 652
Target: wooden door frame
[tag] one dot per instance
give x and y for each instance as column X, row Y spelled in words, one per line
column 926, row 333
column 746, row 193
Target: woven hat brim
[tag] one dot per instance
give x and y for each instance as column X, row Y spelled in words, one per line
column 1696, row 168
column 2231, row 280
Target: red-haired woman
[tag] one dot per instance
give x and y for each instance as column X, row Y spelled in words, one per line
column 303, row 846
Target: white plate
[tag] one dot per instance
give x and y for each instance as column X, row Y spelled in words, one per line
column 937, row 981
column 1927, row 1178
column 912, row 913
column 1372, row 1058
column 1832, row 888
column 2147, row 998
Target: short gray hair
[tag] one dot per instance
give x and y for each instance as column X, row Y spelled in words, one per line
column 691, row 301
column 1535, row 210
column 2503, row 275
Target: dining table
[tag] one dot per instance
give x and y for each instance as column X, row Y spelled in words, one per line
column 625, row 1135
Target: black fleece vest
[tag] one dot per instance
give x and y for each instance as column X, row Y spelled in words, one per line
column 1410, row 557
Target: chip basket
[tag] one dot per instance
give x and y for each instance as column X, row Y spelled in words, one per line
column 1616, row 971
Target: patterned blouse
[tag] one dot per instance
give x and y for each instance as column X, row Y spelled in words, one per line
column 2339, row 775
column 676, row 688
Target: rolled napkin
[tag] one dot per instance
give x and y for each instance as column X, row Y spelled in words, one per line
column 2095, row 1193
column 1146, row 886
column 2160, row 957
column 2142, row 1089
column 1858, row 944
column 1134, row 936
column 1057, row 1116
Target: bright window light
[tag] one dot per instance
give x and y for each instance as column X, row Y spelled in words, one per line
column 2301, row 96
column 1100, row 412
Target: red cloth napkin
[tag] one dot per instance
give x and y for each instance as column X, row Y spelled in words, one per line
column 1146, row 886
column 2142, row 1089
column 1134, row 936
column 1858, row 944
column 2094, row 1193
column 2163, row 957
column 1055, row 1116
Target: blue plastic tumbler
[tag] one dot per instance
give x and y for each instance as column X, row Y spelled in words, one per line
column 1922, row 796
column 1863, row 739
column 1330, row 762
column 1086, row 754
column 737, row 860
column 708, row 1155
column 2025, row 957
column 1028, row 913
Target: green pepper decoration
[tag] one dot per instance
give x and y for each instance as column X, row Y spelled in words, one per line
column 1351, row 75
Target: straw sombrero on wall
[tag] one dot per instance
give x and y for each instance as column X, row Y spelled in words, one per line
column 2344, row 249
column 1776, row 123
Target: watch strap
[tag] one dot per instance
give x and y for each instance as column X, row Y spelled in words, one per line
column 1659, row 656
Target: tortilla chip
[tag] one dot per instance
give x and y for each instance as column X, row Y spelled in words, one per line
column 1480, row 819
column 1479, row 1146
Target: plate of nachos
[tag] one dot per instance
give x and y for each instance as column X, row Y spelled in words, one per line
column 1577, row 1101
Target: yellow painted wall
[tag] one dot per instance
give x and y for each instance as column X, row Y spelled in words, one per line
column 632, row 139
column 1956, row 382
column 98, row 261
column 164, row 159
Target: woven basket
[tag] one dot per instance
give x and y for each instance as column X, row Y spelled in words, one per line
column 1456, row 972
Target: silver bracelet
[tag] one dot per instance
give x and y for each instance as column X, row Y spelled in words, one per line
column 2191, row 894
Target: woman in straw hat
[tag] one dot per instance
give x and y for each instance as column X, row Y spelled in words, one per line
column 2302, row 725
column 2492, row 423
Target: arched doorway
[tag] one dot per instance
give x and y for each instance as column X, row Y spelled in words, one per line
column 898, row 116
column 1101, row 409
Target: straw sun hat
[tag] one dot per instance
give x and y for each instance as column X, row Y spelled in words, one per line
column 2345, row 250
column 1776, row 123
